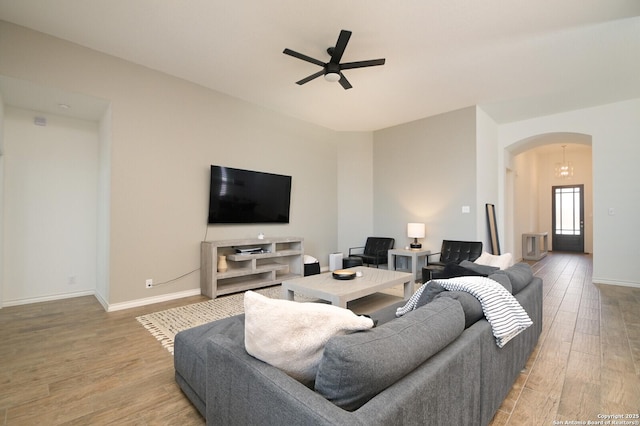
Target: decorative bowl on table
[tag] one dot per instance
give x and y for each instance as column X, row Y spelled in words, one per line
column 344, row 274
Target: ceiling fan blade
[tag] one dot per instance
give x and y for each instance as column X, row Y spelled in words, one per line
column 341, row 44
column 344, row 82
column 361, row 64
column 311, row 77
column 303, row 57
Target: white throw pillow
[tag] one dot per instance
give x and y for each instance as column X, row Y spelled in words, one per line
column 502, row 261
column 291, row 335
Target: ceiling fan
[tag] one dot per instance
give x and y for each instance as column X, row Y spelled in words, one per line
column 332, row 70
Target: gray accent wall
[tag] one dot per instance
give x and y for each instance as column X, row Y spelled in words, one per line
column 425, row 171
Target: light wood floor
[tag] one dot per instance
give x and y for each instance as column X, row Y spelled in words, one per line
column 69, row 362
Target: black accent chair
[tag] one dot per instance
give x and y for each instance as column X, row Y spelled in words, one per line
column 452, row 252
column 374, row 251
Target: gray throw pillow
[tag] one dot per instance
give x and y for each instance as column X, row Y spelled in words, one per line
column 431, row 290
column 503, row 279
column 519, row 274
column 470, row 305
column 480, row 269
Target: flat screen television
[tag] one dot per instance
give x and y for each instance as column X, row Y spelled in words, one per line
column 246, row 196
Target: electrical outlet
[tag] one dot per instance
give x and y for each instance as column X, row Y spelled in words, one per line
column 148, row 283
column 72, row 280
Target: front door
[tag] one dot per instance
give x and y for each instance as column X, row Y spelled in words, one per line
column 568, row 218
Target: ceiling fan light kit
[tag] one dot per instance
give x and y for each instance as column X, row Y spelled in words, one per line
column 333, row 77
column 332, row 70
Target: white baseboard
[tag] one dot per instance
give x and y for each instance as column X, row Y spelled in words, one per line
column 39, row 299
column 151, row 300
column 605, row 281
column 106, row 305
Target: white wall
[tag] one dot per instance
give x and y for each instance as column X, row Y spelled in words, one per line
column 615, row 131
column 165, row 133
column 526, row 198
column 50, row 207
column 425, row 171
column 355, row 190
column 487, row 178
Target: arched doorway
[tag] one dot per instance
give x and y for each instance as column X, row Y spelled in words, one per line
column 530, row 178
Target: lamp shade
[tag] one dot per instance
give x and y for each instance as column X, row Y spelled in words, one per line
column 415, row 230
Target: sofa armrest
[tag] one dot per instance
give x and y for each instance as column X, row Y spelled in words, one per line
column 242, row 390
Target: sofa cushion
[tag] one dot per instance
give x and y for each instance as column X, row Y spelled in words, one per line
column 520, row 276
column 291, row 335
column 356, row 367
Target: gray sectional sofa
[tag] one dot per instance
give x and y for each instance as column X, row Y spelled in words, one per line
column 438, row 364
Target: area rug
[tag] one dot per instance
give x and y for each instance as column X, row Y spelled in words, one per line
column 164, row 325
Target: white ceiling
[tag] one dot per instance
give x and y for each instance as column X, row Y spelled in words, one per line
column 517, row 59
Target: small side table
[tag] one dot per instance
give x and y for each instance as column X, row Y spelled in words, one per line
column 415, row 255
column 531, row 249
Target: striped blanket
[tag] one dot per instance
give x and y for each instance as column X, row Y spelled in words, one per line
column 503, row 312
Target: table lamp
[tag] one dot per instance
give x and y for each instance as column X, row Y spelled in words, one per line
column 415, row 231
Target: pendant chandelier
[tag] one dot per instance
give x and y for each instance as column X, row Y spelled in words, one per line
column 564, row 170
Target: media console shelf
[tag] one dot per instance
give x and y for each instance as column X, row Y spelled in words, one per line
column 265, row 262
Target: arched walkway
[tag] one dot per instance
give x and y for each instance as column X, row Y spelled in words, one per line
column 529, row 177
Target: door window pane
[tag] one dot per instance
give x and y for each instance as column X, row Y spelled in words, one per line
column 567, row 211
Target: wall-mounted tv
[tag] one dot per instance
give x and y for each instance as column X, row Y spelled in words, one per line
column 246, row 196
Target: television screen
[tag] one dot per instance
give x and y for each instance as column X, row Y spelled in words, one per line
column 246, row 196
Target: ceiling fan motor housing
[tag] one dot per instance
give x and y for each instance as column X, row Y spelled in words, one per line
column 332, row 72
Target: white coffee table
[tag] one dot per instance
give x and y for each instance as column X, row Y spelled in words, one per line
column 414, row 256
column 339, row 292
